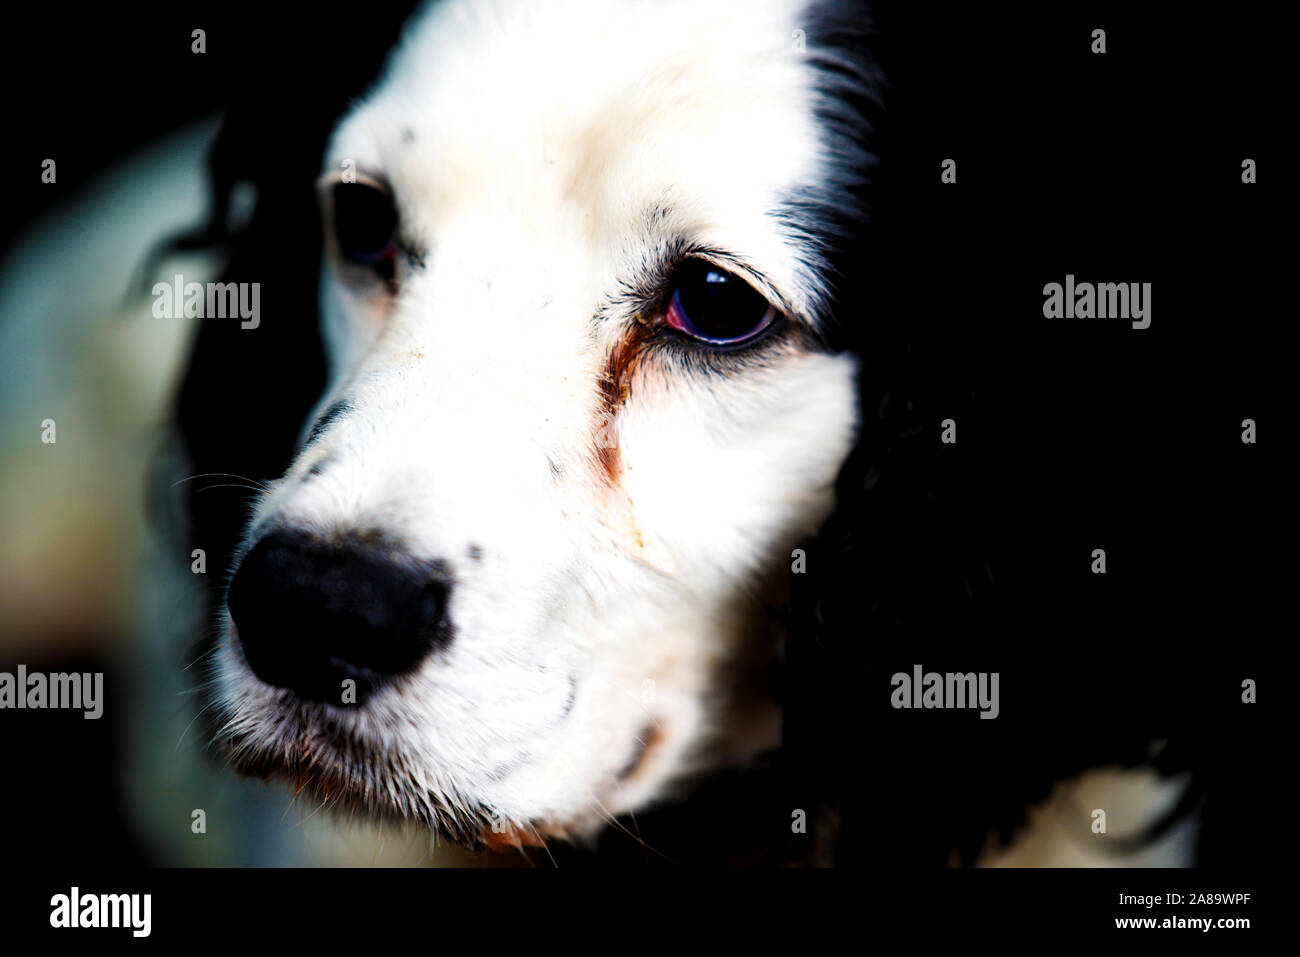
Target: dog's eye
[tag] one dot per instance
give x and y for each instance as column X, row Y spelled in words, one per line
column 714, row 306
column 365, row 223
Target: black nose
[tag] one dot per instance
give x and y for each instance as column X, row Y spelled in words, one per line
column 310, row 615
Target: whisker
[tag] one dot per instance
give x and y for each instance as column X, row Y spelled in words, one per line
column 202, row 711
column 251, row 488
column 243, row 478
column 614, row 821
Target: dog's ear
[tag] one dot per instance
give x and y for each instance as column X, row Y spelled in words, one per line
column 902, row 563
column 915, row 567
column 930, row 559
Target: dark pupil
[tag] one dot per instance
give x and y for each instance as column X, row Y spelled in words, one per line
column 719, row 305
column 364, row 220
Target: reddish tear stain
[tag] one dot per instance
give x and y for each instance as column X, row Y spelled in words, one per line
column 615, row 386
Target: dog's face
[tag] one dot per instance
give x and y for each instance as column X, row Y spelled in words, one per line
column 581, row 412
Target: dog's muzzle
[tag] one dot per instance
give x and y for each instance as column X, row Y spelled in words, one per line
column 310, row 615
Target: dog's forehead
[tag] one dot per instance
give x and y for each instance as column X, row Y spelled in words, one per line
column 703, row 110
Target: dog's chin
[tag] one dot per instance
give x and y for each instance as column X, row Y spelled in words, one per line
column 336, row 765
column 327, row 766
column 330, row 769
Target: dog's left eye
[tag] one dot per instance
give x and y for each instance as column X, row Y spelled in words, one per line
column 716, row 307
column 365, row 223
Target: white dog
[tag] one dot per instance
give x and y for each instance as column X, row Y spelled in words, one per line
column 580, row 412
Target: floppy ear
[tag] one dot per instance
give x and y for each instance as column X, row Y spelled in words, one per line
column 909, row 571
column 924, row 562
column 898, row 568
column 920, row 563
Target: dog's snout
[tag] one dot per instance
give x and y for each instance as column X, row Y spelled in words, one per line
column 311, row 614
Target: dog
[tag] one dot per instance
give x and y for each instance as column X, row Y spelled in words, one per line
column 584, row 401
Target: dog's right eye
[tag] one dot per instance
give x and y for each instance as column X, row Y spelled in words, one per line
column 365, row 224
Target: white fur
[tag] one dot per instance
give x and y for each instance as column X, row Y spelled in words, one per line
column 543, row 133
